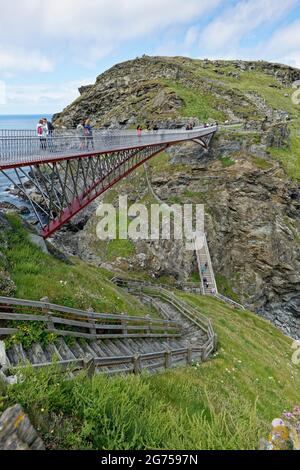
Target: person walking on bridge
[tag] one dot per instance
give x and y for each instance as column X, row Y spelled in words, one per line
column 139, row 130
column 42, row 131
column 81, row 134
column 88, row 131
column 49, row 132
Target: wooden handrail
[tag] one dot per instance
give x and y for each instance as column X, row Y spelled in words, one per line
column 8, row 301
column 89, row 325
column 188, row 311
column 94, row 363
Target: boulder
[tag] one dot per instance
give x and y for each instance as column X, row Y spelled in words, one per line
column 16, row 431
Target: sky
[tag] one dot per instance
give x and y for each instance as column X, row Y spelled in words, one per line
column 50, row 48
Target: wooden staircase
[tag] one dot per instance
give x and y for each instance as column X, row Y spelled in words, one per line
column 177, row 338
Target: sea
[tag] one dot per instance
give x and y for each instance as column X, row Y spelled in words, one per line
column 17, row 122
column 21, row 122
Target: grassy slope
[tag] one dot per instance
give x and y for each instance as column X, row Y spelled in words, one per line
column 227, row 403
column 199, row 104
column 78, row 285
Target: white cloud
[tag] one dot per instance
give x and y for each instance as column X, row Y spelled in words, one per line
column 24, row 60
column 2, row 93
column 285, row 44
column 42, row 97
column 191, row 36
column 88, row 29
column 225, row 32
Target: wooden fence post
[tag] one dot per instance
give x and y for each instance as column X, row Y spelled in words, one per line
column 89, row 366
column 216, row 339
column 189, row 356
column 46, row 311
column 168, row 359
column 92, row 328
column 124, row 325
column 148, row 326
column 203, row 355
column 137, row 365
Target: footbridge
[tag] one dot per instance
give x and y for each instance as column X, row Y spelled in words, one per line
column 67, row 170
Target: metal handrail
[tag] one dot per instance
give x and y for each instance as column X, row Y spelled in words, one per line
column 75, row 132
column 229, row 301
column 19, row 151
column 200, row 272
column 210, row 264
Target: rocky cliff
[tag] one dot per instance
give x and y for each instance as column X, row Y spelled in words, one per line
column 248, row 181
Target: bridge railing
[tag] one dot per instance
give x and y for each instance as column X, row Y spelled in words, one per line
column 19, row 133
column 28, row 149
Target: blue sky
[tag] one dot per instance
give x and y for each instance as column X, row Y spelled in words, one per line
column 49, row 49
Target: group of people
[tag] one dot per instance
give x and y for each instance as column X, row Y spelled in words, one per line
column 205, row 281
column 190, row 126
column 84, row 131
column 44, row 131
column 203, row 271
column 211, row 124
column 85, row 134
column 149, row 128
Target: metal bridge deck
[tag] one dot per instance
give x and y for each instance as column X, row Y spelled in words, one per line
column 67, row 171
column 25, row 148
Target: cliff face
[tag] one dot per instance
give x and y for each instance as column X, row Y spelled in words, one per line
column 248, row 181
column 158, row 89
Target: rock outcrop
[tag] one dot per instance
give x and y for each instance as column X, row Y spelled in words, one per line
column 251, row 201
column 153, row 90
column 16, row 431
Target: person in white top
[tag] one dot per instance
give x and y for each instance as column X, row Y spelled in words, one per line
column 81, row 134
column 42, row 132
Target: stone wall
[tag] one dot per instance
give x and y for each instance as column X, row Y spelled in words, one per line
column 16, row 431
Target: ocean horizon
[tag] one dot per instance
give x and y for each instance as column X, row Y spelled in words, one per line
column 16, row 122
column 21, row 121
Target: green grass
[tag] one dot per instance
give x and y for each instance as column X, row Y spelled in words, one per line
column 226, row 162
column 249, row 81
column 195, row 277
column 79, row 285
column 197, row 103
column 261, row 163
column 226, row 403
column 225, row 287
column 289, row 156
column 120, row 249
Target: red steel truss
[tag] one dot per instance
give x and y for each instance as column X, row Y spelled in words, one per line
column 65, row 184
